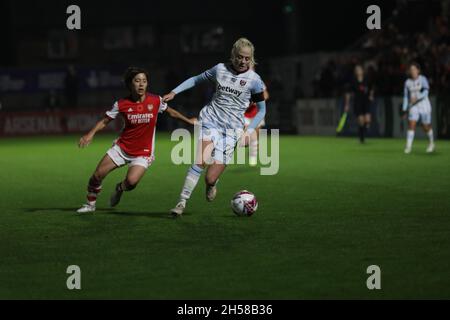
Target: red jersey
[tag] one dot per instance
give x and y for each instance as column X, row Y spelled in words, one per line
column 138, row 135
column 251, row 111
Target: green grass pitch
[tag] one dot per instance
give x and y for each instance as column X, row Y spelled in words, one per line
column 334, row 208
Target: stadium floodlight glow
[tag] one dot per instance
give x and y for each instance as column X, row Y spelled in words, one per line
column 289, row 8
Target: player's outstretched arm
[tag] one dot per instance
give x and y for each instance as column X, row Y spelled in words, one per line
column 405, row 103
column 169, row 96
column 87, row 138
column 191, row 82
column 186, row 85
column 175, row 114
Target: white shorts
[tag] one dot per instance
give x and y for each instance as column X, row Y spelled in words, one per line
column 248, row 120
column 224, row 142
column 420, row 111
column 120, row 158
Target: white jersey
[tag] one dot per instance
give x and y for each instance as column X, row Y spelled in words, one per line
column 233, row 94
column 417, row 89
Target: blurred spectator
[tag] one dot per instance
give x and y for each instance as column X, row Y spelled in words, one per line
column 327, row 81
column 386, row 54
column 71, row 83
column 52, row 101
column 389, row 52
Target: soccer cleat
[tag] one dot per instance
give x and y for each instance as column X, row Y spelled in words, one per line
column 115, row 197
column 408, row 150
column 252, row 161
column 211, row 192
column 179, row 208
column 86, row 208
column 430, row 148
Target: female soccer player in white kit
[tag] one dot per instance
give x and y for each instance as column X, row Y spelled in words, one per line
column 416, row 102
column 222, row 119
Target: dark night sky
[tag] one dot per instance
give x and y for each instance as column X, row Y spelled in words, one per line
column 321, row 25
column 333, row 25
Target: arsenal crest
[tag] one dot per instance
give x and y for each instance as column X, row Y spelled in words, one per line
column 242, row 83
column 150, row 107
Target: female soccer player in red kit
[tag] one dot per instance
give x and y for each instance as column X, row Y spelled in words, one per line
column 135, row 145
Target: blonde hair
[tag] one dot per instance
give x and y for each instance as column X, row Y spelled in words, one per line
column 238, row 45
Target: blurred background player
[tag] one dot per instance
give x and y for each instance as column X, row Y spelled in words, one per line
column 249, row 114
column 418, row 106
column 362, row 93
column 222, row 119
column 135, row 145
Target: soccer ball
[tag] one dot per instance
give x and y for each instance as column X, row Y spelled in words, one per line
column 244, row 203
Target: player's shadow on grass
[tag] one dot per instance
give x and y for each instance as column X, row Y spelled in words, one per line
column 421, row 153
column 44, row 210
column 154, row 215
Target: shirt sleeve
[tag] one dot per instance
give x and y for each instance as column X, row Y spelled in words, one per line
column 257, row 86
column 405, row 97
column 261, row 106
column 114, row 111
column 162, row 106
column 209, row 74
column 425, row 84
column 425, row 89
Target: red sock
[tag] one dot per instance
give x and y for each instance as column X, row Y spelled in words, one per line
column 94, row 188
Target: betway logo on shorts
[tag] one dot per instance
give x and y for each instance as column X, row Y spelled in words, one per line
column 230, row 90
column 140, row 118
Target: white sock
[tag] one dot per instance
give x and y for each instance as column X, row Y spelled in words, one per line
column 254, row 148
column 430, row 136
column 409, row 138
column 191, row 181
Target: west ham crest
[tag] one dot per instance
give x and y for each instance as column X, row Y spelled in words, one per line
column 242, row 83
